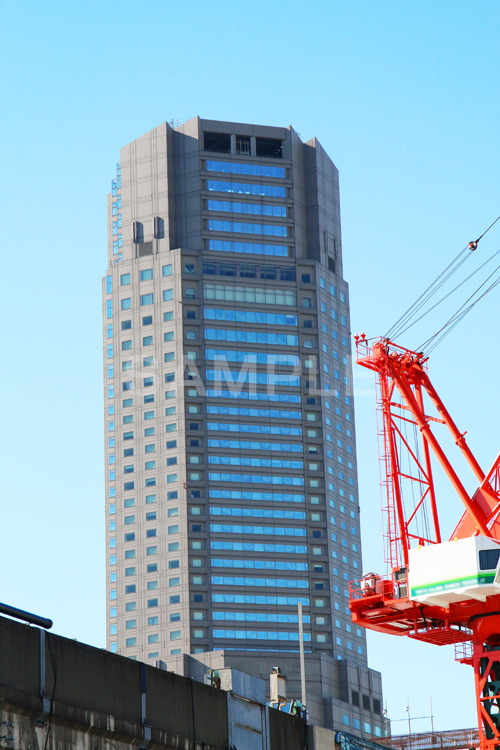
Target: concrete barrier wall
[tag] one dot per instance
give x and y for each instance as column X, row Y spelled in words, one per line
column 99, row 694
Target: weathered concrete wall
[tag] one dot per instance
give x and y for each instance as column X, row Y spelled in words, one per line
column 58, row 694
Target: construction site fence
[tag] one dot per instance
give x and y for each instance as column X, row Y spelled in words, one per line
column 454, row 738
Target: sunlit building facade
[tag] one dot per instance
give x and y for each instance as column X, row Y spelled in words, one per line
column 231, row 482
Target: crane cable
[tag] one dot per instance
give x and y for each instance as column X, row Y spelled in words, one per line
column 404, row 322
column 460, row 313
column 394, row 331
column 485, row 231
column 449, row 293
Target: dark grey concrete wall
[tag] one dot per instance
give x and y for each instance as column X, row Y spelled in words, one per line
column 97, row 692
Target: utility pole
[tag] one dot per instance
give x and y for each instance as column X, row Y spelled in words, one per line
column 408, row 712
column 302, row 661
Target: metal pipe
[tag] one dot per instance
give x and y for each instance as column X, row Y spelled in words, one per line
column 21, row 614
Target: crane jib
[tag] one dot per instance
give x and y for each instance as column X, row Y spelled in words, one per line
column 441, row 592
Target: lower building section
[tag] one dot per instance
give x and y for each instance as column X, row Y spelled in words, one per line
column 341, row 694
column 57, row 693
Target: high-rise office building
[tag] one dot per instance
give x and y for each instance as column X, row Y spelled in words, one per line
column 230, row 450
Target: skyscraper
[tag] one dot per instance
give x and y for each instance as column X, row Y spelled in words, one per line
column 230, row 450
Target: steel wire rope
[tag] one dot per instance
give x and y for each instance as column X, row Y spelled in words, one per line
column 431, row 294
column 462, row 316
column 460, row 313
column 452, row 267
column 487, row 230
column 400, row 332
column 407, row 315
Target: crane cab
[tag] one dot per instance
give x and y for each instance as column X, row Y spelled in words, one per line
column 464, row 569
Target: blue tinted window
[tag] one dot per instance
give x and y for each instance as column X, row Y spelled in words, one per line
column 256, row 479
column 240, row 227
column 262, row 358
column 250, row 316
column 259, row 564
column 146, row 274
column 260, row 635
column 256, row 445
column 287, row 601
column 288, row 398
column 255, row 209
column 252, row 337
column 250, row 412
column 251, row 188
column 288, row 583
column 268, row 497
column 260, row 170
column 251, row 248
column 231, row 528
column 277, row 463
column 259, row 617
column 262, row 378
column 291, row 515
column 288, row 549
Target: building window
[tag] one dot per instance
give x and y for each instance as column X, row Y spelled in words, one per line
column 220, row 142
column 269, row 147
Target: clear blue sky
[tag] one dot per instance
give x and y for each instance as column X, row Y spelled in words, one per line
column 404, row 97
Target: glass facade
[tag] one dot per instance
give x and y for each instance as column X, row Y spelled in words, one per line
column 256, row 209
column 248, row 188
column 245, row 227
column 256, row 170
column 251, row 248
column 230, row 444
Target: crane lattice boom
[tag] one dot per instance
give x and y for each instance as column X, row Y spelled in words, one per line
column 437, row 591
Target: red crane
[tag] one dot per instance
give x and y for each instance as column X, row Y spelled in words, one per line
column 437, row 591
